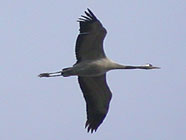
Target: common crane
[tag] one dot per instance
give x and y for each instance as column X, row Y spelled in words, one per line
column 91, row 68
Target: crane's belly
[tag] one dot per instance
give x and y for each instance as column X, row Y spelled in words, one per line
column 86, row 69
column 91, row 70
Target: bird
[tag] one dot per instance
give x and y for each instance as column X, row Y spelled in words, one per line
column 91, row 67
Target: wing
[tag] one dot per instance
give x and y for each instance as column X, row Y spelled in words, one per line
column 97, row 96
column 89, row 44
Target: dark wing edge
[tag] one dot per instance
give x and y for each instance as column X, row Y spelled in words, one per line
column 91, row 37
column 85, row 21
column 97, row 96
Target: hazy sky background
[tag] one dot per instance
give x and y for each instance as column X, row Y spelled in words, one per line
column 39, row 36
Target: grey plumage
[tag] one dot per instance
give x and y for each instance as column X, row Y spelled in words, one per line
column 91, row 67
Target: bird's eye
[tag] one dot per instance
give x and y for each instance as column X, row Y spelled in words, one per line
column 150, row 65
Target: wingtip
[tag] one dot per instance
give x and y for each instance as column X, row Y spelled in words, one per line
column 89, row 129
column 86, row 124
column 88, row 10
column 87, row 13
column 91, row 13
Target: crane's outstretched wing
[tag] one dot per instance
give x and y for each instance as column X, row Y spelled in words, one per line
column 97, row 96
column 89, row 44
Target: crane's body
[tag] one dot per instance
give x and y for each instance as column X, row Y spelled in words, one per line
column 88, row 68
column 91, row 68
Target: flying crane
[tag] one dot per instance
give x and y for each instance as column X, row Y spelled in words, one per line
column 91, row 68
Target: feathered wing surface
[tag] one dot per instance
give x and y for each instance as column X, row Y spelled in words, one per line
column 97, row 96
column 89, row 44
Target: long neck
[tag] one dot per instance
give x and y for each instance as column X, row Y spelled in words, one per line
column 119, row 66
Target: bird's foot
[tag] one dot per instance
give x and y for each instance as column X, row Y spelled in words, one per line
column 44, row 75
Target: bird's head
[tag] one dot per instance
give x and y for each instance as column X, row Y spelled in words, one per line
column 150, row 66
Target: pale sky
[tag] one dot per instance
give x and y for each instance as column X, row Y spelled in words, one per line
column 39, row 36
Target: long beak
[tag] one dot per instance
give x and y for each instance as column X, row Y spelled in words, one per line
column 53, row 74
column 155, row 67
